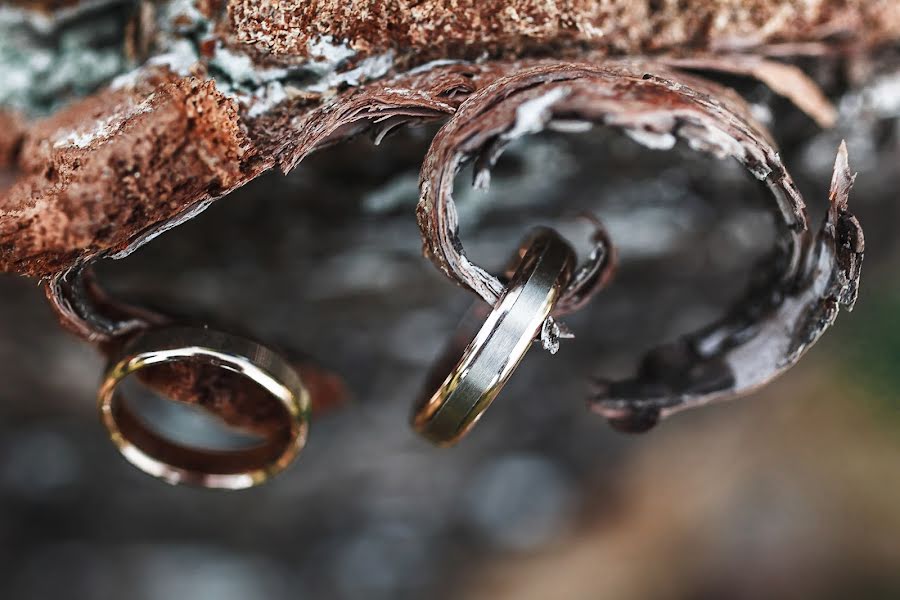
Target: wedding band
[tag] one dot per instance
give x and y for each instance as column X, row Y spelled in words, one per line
column 546, row 266
column 175, row 463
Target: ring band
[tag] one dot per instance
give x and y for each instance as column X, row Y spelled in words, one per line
column 175, row 463
column 546, row 266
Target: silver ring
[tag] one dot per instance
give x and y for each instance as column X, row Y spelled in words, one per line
column 546, row 266
column 174, row 463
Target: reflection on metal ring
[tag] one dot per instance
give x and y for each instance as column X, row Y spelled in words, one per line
column 175, row 463
column 501, row 343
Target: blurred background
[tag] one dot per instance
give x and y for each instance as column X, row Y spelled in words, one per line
column 793, row 492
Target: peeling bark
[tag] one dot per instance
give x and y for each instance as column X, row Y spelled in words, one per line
column 653, row 109
column 85, row 309
column 781, row 317
column 230, row 90
column 798, row 291
column 786, row 80
column 271, row 78
column 141, row 158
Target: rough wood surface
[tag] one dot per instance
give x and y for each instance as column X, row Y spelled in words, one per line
column 208, row 112
column 144, row 157
column 436, row 28
column 797, row 291
column 228, row 91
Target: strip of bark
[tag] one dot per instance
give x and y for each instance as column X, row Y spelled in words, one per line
column 796, row 293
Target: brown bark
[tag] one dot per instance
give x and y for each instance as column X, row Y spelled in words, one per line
column 468, row 27
column 264, row 85
column 162, row 145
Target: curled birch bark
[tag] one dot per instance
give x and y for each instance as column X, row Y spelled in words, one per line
column 779, row 319
column 796, row 292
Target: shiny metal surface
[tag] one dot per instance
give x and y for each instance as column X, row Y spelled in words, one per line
column 488, row 362
column 176, row 464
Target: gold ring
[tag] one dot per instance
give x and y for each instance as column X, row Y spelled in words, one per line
column 227, row 469
column 488, row 362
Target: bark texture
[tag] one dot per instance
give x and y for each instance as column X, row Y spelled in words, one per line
column 435, row 28
column 227, row 91
column 233, row 90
